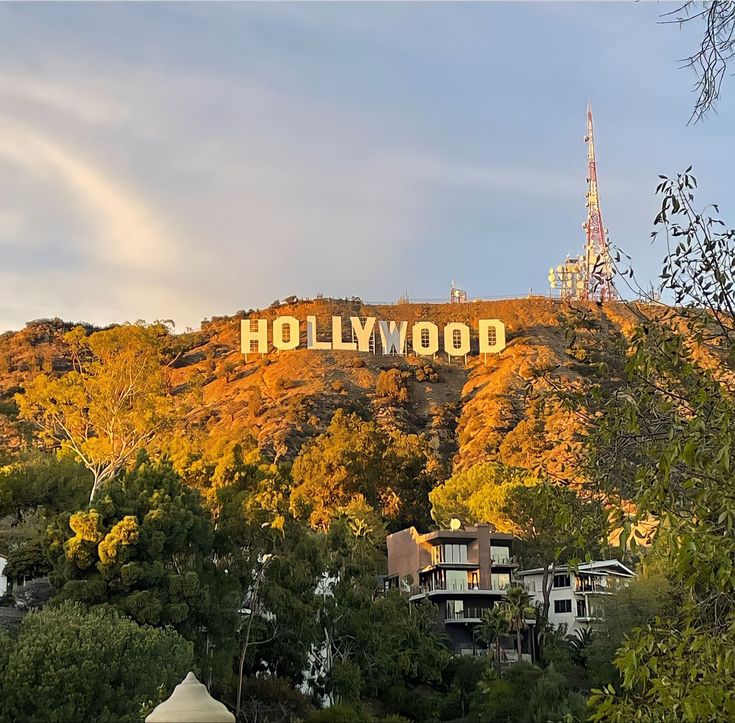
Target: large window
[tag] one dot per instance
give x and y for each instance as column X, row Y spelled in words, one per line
column 499, row 580
column 561, row 580
column 500, row 554
column 455, row 609
column 456, row 580
column 562, row 606
column 448, row 553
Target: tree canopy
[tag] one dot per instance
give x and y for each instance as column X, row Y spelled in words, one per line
column 145, row 547
column 69, row 664
column 116, row 400
column 665, row 441
column 479, row 494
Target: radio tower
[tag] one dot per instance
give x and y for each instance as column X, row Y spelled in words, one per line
column 597, row 264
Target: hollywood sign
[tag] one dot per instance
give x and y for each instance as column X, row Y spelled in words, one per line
column 364, row 334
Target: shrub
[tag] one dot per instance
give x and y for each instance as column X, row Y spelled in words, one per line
column 68, row 664
column 390, row 386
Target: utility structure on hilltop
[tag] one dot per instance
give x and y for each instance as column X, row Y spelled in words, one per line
column 589, row 276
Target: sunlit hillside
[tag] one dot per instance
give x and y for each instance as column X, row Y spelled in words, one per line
column 490, row 410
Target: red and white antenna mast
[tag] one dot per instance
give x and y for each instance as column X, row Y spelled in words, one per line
column 597, row 264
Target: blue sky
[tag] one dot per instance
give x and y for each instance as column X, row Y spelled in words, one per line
column 184, row 160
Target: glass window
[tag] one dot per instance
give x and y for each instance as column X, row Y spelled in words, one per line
column 561, row 580
column 499, row 580
column 455, row 609
column 456, row 580
column 562, row 606
column 499, row 554
column 448, row 553
column 458, row 553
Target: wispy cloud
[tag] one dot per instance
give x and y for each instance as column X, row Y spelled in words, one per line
column 188, row 160
column 128, row 233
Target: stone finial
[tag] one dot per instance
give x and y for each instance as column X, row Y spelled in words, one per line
column 190, row 703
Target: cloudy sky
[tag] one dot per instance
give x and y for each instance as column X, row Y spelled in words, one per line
column 186, row 160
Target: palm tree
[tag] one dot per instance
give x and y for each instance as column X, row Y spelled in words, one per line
column 579, row 644
column 494, row 623
column 518, row 605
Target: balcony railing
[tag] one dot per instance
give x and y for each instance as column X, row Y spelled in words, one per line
column 442, row 587
column 587, row 585
column 502, row 560
column 433, row 586
column 466, row 614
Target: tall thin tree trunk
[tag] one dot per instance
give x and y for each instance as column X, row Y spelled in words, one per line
column 95, row 483
column 244, row 652
column 518, row 640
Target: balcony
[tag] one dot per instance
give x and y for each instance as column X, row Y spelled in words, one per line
column 418, row 591
column 466, row 615
column 586, row 584
column 433, row 586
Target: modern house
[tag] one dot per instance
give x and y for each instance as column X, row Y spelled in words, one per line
column 463, row 571
column 575, row 592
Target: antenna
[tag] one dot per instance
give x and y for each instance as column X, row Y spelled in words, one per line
column 597, row 265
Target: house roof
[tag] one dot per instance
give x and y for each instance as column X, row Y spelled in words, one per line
column 599, row 567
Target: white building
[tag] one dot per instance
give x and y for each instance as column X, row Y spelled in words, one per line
column 3, row 579
column 574, row 593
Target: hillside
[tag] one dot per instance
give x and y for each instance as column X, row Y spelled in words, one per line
column 472, row 413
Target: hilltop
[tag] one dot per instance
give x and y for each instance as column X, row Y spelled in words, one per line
column 481, row 411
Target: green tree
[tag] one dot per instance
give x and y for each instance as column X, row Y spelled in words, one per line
column 630, row 606
column 461, row 677
column 503, row 698
column 357, row 460
column 376, row 646
column 116, row 400
column 277, row 562
column 68, row 665
column 479, row 494
column 552, row 701
column 665, row 443
column 340, row 466
column 495, row 624
column 518, row 604
column 36, row 480
column 146, row 547
column 33, row 489
column 555, row 526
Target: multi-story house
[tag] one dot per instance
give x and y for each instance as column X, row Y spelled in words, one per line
column 463, row 571
column 575, row 593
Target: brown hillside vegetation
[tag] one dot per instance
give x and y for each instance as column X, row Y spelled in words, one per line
column 479, row 412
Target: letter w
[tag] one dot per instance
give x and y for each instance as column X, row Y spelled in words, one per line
column 393, row 336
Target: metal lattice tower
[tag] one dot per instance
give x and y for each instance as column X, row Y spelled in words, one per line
column 597, row 263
